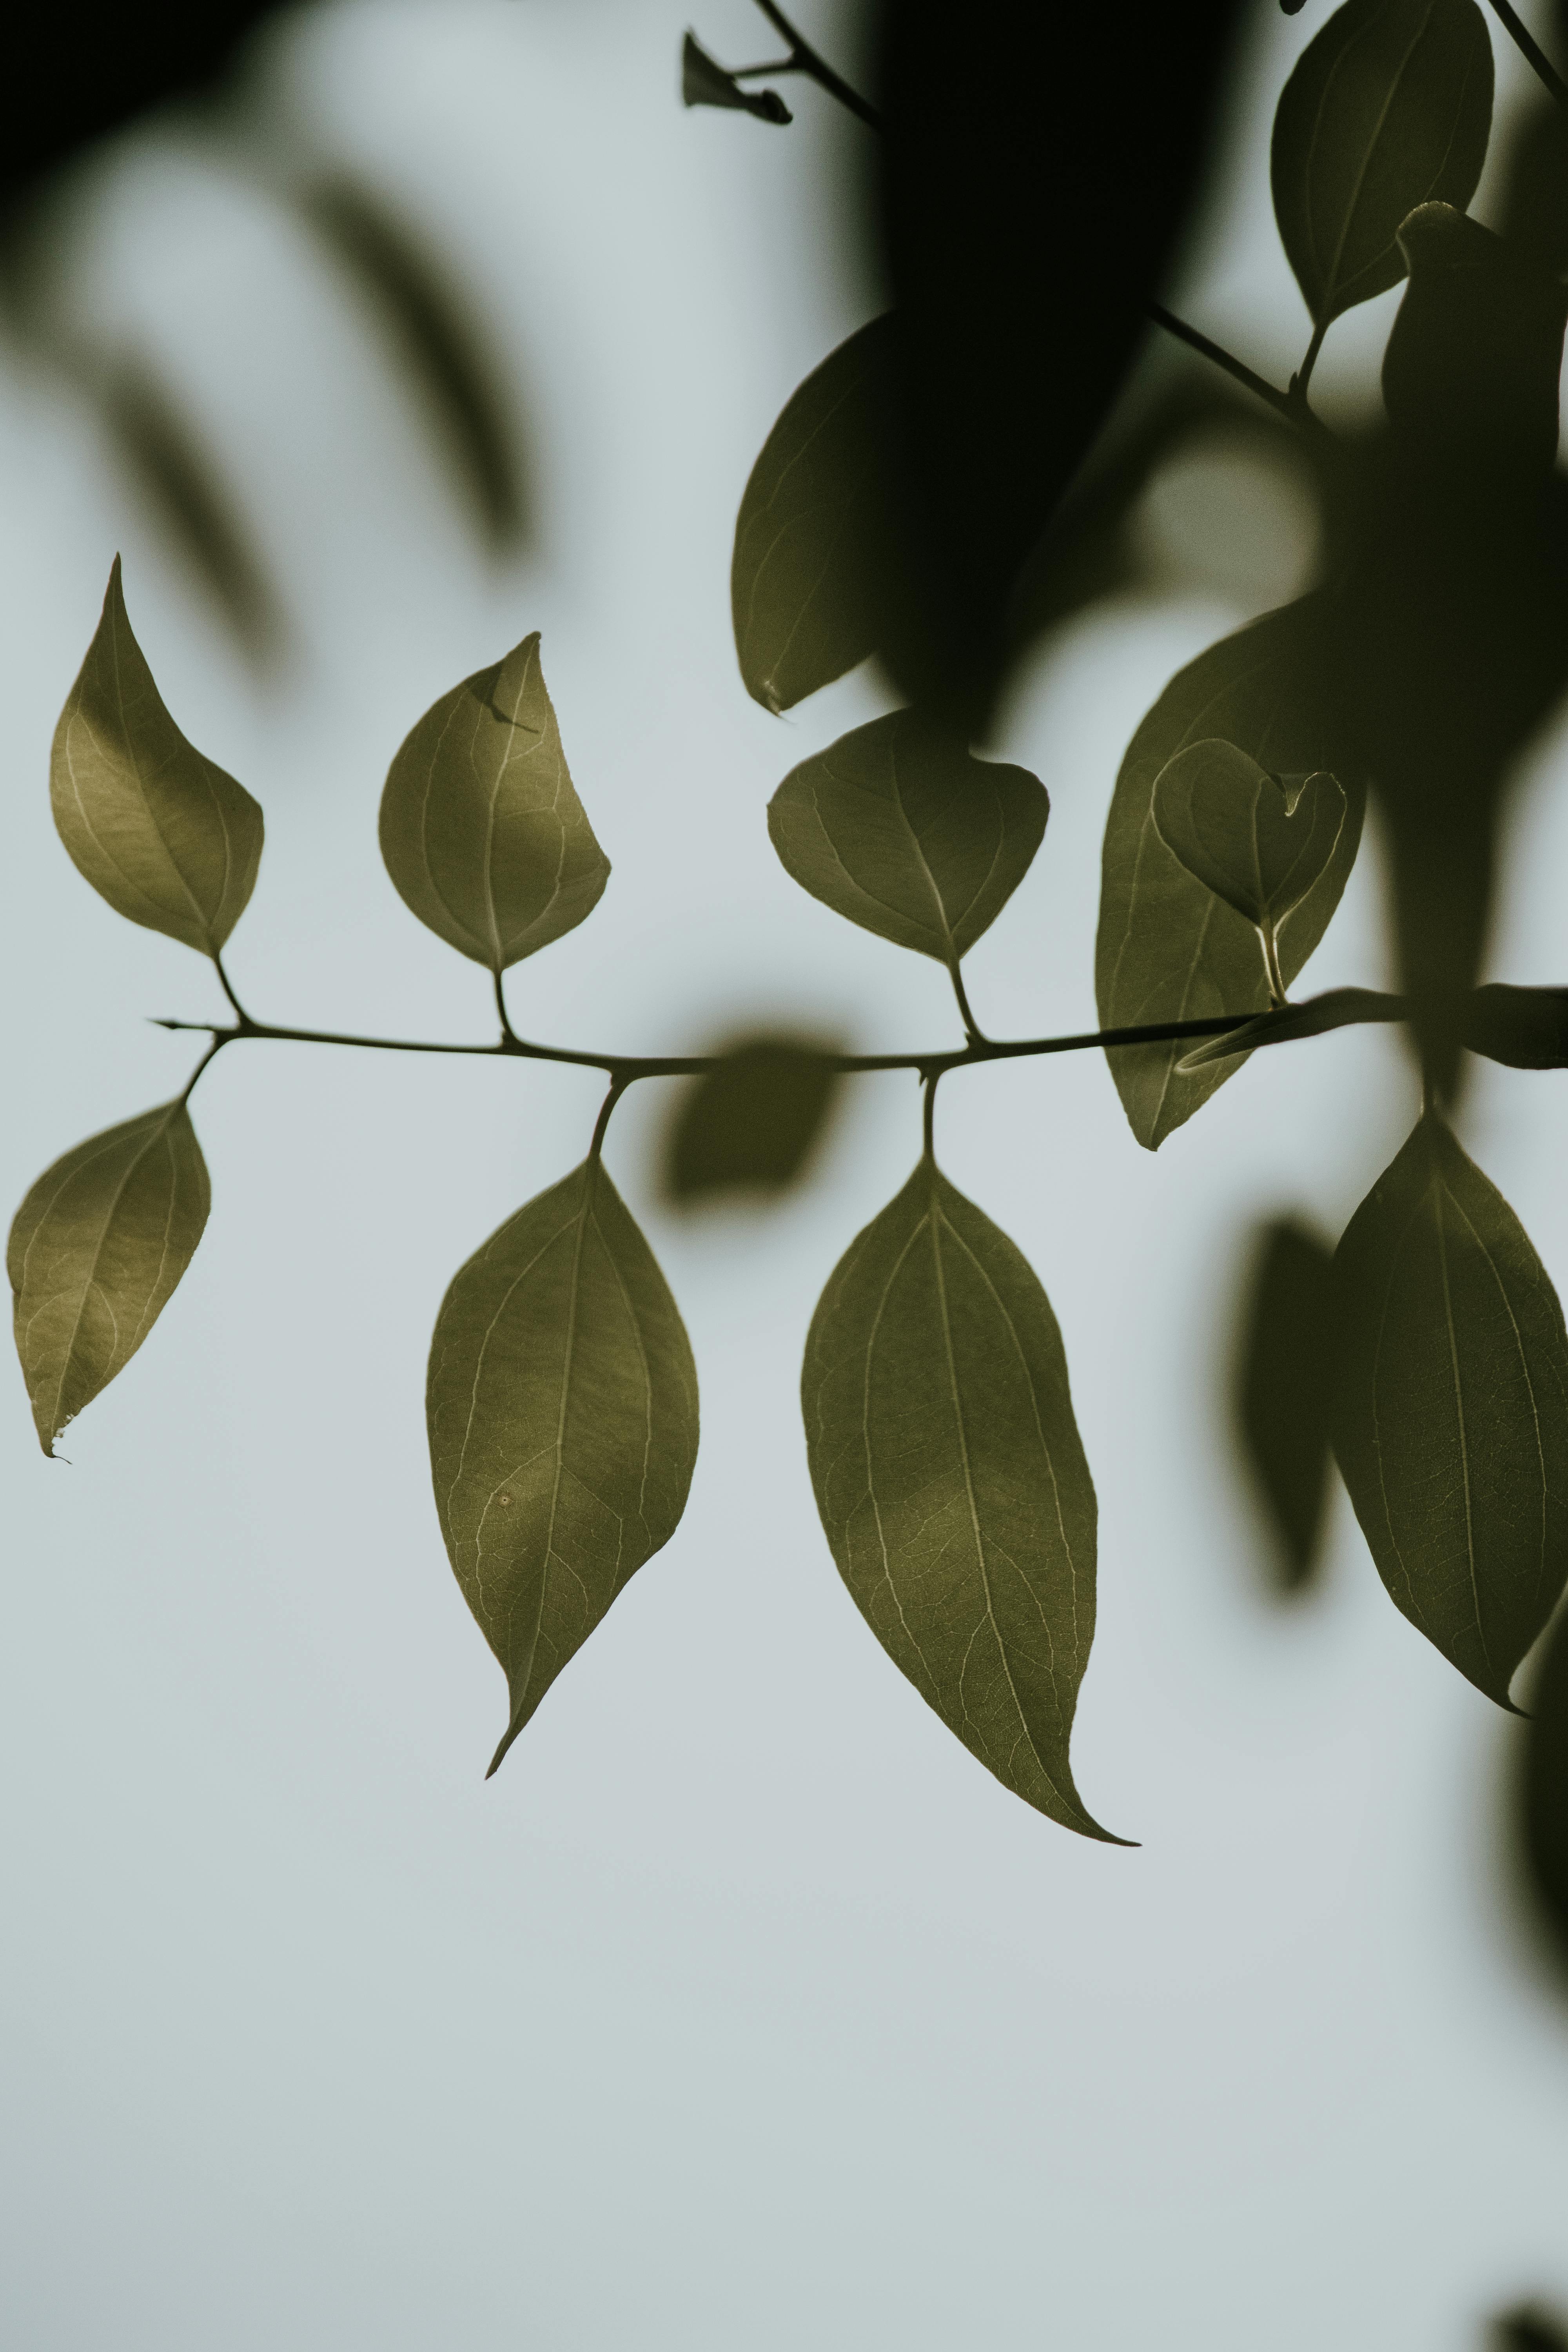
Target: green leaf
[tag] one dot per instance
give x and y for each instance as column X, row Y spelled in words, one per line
column 808, row 581
column 1259, row 842
column 1284, row 1389
column 1545, row 1794
column 1168, row 949
column 751, row 1123
column 704, row 82
column 1451, row 1425
column 562, row 1405
column 481, row 829
column 95, row 1252
column 170, row 840
column 898, row 827
column 1389, row 107
column 951, row 1481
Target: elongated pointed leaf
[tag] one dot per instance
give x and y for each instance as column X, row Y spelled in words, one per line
column 808, row 578
column 1389, row 107
column 1451, row 1425
column 751, row 1123
column 168, row 838
column 1285, row 1390
column 1168, row 949
column 95, row 1252
column 562, row 1403
column 898, row 827
column 951, row 1481
column 1257, row 842
column 481, row 827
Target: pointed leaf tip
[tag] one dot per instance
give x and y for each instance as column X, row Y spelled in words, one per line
column 1260, row 842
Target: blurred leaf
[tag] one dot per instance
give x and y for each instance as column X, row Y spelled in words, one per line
column 1531, row 2328
column 441, row 346
column 481, row 829
column 1451, row 1425
column 96, row 1250
column 704, row 82
column 899, row 827
column 751, row 1123
column 1391, row 105
column 165, row 834
column 1259, row 842
column 1527, row 1028
column 1285, row 1388
column 951, row 1481
column 808, row 581
column 1168, row 949
column 562, row 1403
column 1544, row 1822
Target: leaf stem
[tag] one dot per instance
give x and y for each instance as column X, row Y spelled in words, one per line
column 240, row 1015
column 1271, row 963
column 972, row 1029
column 1294, row 411
column 929, row 1080
column 804, row 59
column 1531, row 50
column 616, row 1089
column 1297, row 395
column 508, row 1035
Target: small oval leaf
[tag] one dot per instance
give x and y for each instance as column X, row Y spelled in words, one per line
column 562, row 1407
column 481, row 827
column 951, row 1481
column 808, row 580
column 751, row 1123
column 1168, row 949
column 95, row 1252
column 1284, row 1390
column 1257, row 842
column 1389, row 107
column 167, row 837
column 1451, row 1421
column 899, row 827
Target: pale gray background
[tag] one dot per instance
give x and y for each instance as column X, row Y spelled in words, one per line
column 743, row 2011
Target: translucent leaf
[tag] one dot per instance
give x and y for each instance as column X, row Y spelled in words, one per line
column 481, row 827
column 562, row 1404
column 751, row 1123
column 1168, row 949
column 951, row 1481
column 704, row 82
column 1257, row 841
column 807, row 578
column 1285, row 1388
column 1390, row 106
column 95, row 1252
column 899, row 827
column 166, row 837
column 1451, row 1425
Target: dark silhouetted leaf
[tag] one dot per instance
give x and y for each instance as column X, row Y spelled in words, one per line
column 1259, row 842
column 951, row 1481
column 1529, row 2328
column 481, row 827
column 808, row 580
column 1168, row 949
column 704, row 82
column 898, row 827
column 1544, row 1802
column 96, row 1250
column 1390, row 106
column 1451, row 1425
column 751, row 1123
column 1284, row 1389
column 562, row 1403
column 166, row 837
column 1527, row 1028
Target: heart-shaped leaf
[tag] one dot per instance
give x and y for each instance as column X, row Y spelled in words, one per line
column 1259, row 842
column 751, row 1123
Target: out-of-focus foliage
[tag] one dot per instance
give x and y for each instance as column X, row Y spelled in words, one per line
column 1284, row 1390
column 753, row 1123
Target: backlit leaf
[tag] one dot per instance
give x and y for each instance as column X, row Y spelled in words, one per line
column 95, row 1252
column 1389, row 107
column 1284, row 1389
column 562, row 1404
column 481, row 827
column 899, row 827
column 807, row 578
column 1168, row 949
column 1451, row 1425
column 167, row 837
column 1257, row 841
column 751, row 1123
column 951, row 1481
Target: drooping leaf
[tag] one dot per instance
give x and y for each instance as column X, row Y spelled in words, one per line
column 1285, row 1390
column 95, row 1252
column 704, row 82
column 899, row 827
column 562, row 1405
column 751, row 1123
column 1168, row 949
column 951, row 1481
column 1259, row 842
column 1451, row 1421
column 165, row 834
column 1544, row 1801
column 808, row 577
column 481, row 827
column 1389, row 107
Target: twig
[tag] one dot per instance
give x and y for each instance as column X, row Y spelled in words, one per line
column 1531, row 50
column 803, row 59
